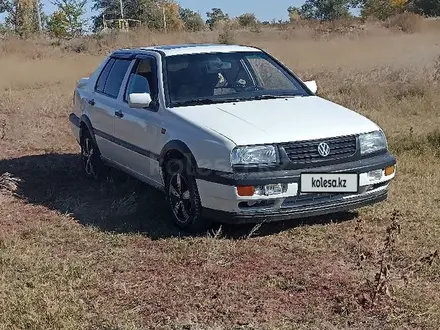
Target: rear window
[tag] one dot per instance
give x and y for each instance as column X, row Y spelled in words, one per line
column 115, row 77
column 100, row 84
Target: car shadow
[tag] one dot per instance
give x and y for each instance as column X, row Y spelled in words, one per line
column 120, row 203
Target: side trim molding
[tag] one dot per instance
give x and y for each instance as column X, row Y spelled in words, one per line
column 126, row 145
column 77, row 122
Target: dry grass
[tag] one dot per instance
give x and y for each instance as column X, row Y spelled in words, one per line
column 406, row 22
column 78, row 255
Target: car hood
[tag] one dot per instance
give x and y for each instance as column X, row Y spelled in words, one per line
column 277, row 120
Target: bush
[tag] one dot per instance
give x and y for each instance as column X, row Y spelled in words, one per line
column 256, row 28
column 433, row 139
column 226, row 35
column 77, row 46
column 192, row 21
column 417, row 145
column 406, row 22
column 247, row 20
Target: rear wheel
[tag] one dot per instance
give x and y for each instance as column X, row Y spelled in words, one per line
column 92, row 164
column 183, row 197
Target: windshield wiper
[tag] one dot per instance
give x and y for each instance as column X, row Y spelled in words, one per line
column 236, row 99
column 195, row 102
column 204, row 101
column 271, row 97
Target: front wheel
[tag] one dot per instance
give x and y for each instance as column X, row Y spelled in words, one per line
column 183, row 197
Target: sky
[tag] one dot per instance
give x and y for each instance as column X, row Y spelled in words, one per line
column 263, row 9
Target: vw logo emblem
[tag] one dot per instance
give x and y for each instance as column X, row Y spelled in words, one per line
column 323, row 149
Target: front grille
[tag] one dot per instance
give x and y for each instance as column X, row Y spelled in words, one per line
column 303, row 152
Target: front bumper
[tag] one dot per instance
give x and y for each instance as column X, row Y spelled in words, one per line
column 221, row 201
column 316, row 207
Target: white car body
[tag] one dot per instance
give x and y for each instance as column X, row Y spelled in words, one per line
column 207, row 134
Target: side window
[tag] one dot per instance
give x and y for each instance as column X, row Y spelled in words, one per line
column 100, row 84
column 143, row 79
column 115, row 77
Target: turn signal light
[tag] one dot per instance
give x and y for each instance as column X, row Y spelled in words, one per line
column 389, row 170
column 245, row 190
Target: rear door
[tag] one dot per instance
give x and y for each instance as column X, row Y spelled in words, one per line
column 139, row 129
column 104, row 104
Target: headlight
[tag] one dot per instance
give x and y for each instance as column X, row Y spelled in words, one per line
column 372, row 142
column 254, row 155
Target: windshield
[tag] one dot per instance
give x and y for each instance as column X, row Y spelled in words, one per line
column 227, row 77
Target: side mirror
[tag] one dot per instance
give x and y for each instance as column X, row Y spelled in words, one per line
column 139, row 100
column 312, row 86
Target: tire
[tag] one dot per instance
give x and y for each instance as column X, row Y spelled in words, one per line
column 91, row 162
column 183, row 198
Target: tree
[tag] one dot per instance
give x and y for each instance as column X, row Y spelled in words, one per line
column 58, row 25
column 294, row 14
column 73, row 10
column 382, row 9
column 215, row 16
column 192, row 20
column 429, row 8
column 172, row 16
column 247, row 20
column 149, row 12
column 134, row 9
column 22, row 16
column 325, row 10
column 4, row 5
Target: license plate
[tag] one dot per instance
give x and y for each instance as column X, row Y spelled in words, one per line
column 329, row 182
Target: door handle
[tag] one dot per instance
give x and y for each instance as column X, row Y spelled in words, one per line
column 91, row 102
column 119, row 114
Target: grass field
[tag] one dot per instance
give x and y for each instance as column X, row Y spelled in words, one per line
column 82, row 255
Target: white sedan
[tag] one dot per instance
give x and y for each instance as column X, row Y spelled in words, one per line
column 227, row 133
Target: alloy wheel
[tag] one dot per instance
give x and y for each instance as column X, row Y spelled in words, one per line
column 180, row 198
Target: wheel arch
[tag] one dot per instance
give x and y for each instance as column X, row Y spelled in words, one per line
column 85, row 124
column 177, row 149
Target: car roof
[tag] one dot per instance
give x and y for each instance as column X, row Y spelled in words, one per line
column 183, row 49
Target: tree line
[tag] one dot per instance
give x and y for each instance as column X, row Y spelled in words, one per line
column 381, row 9
column 27, row 17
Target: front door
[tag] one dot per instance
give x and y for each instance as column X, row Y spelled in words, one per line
column 138, row 129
